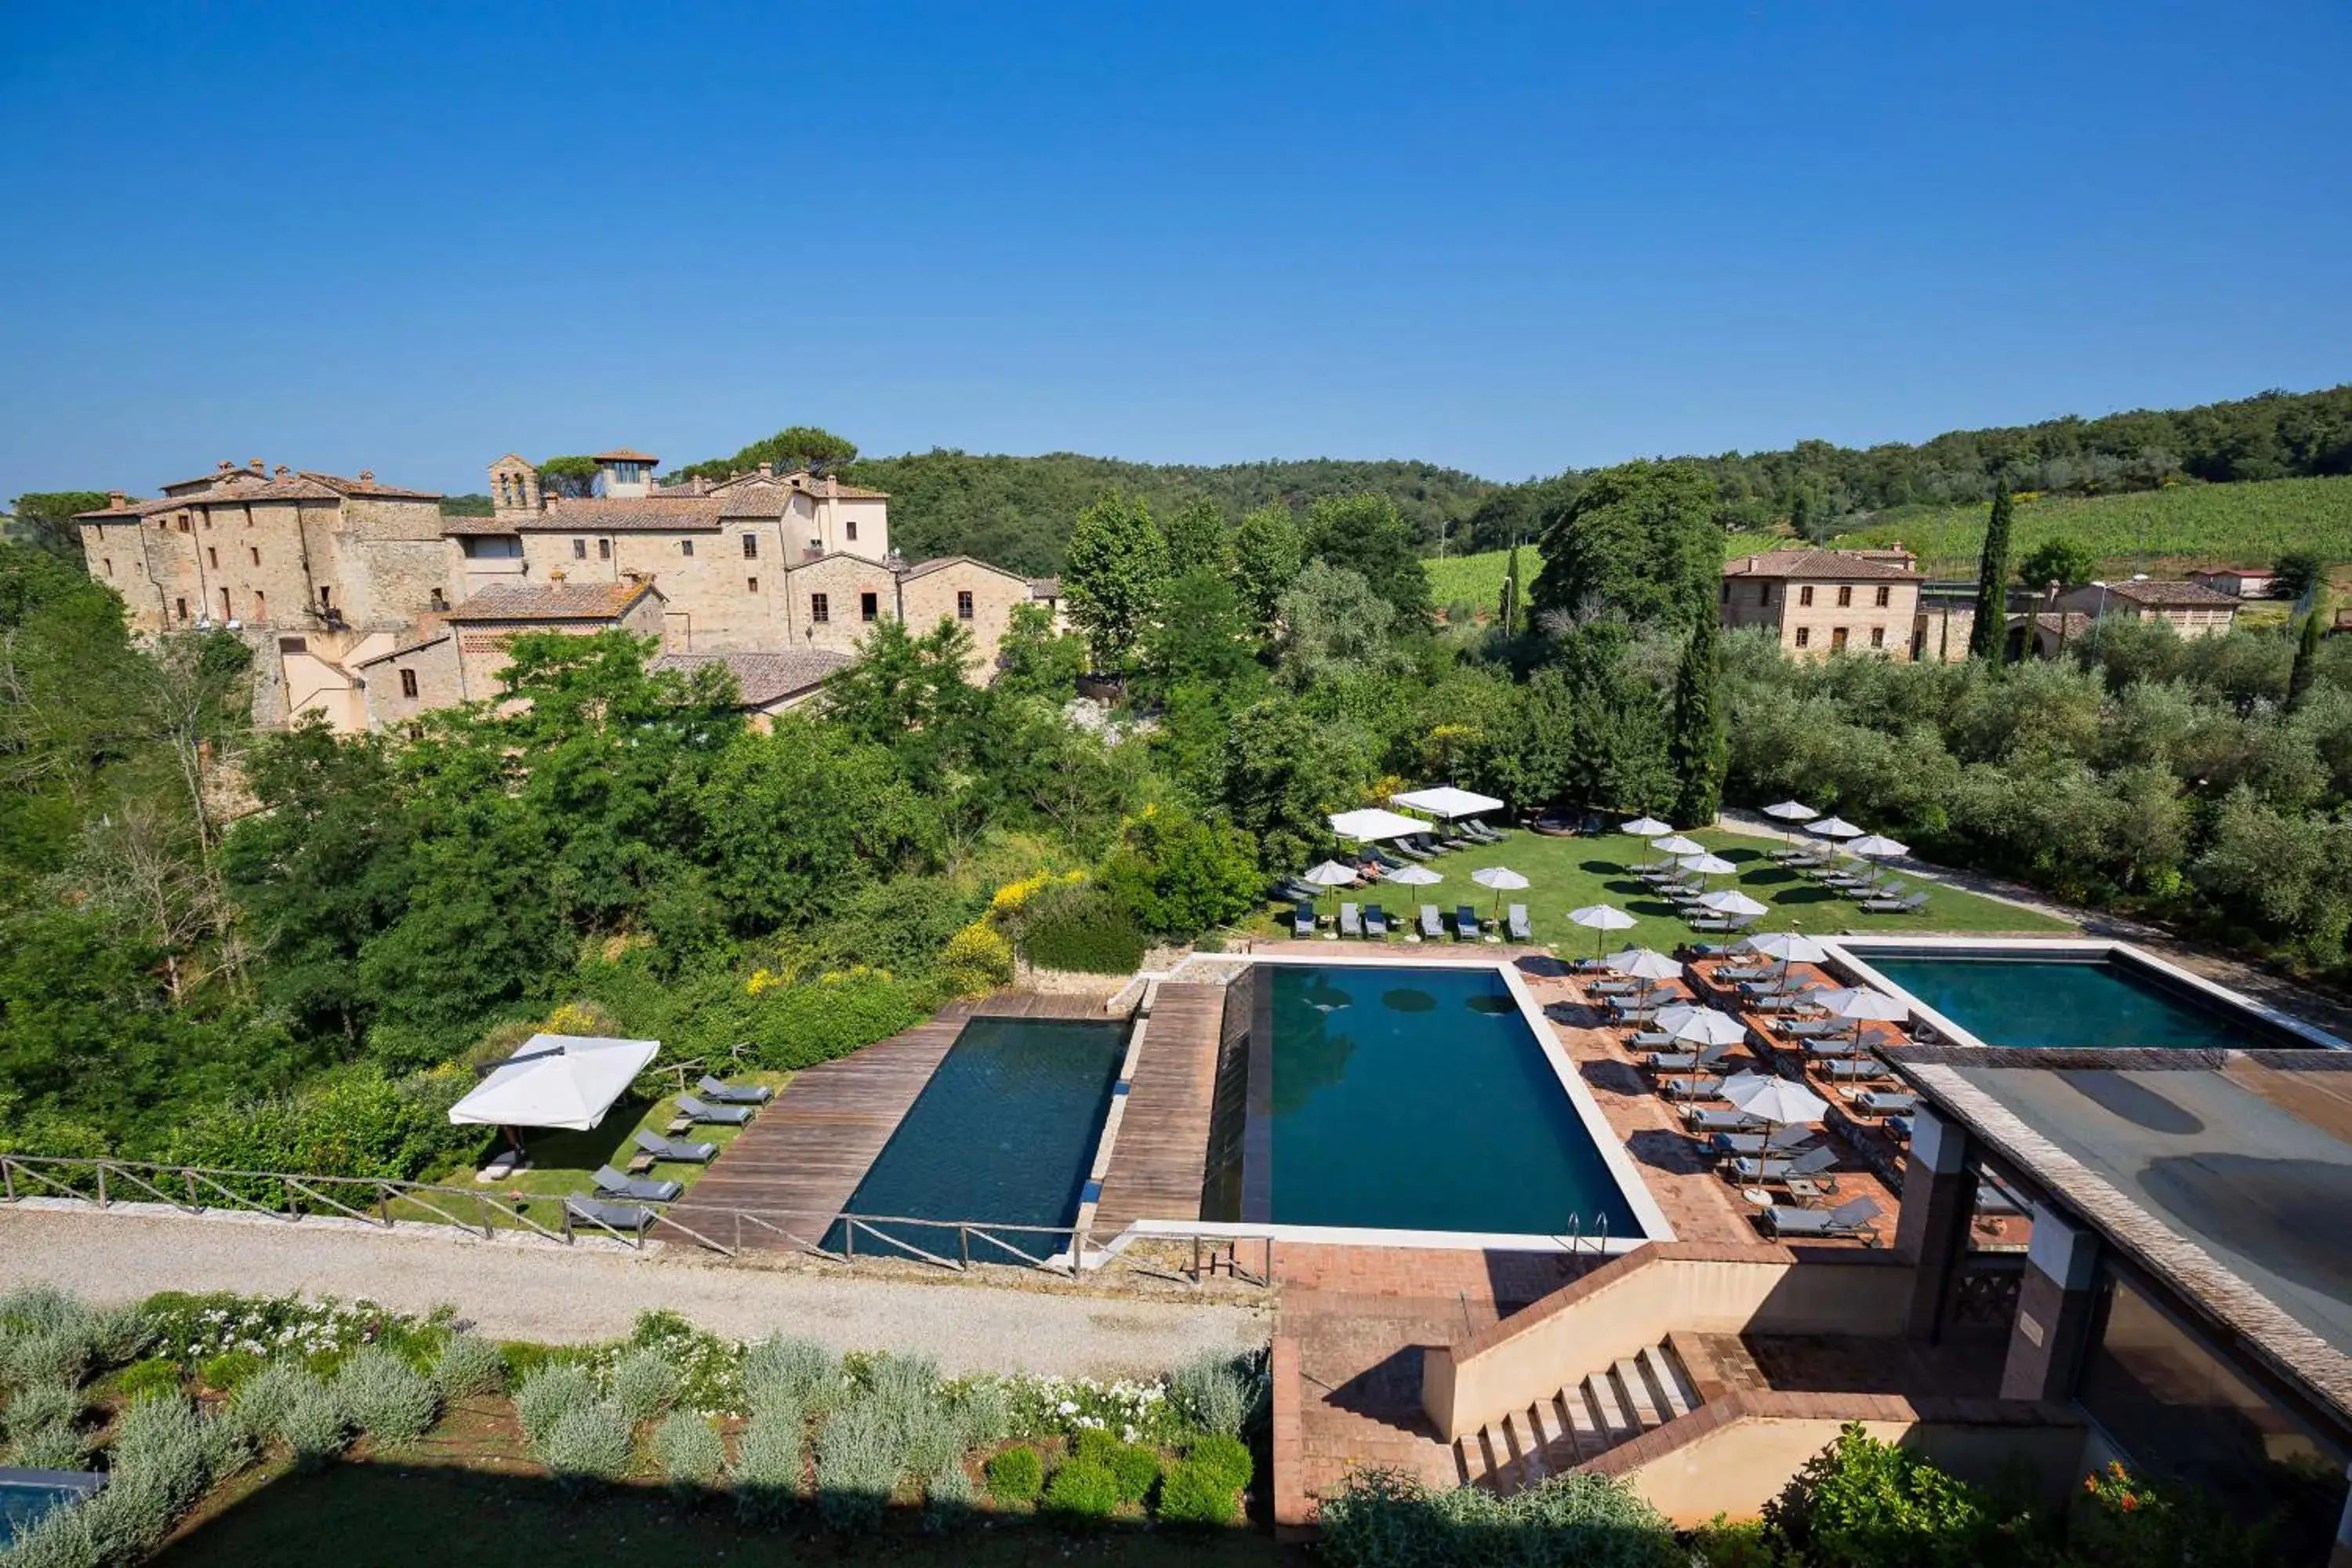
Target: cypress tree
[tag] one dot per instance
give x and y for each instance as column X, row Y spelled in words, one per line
column 1988, row 639
column 2306, row 653
column 1697, row 747
column 1510, row 606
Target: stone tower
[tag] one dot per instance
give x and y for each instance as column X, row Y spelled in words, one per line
column 514, row 486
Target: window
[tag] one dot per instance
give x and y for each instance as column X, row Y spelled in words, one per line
column 1805, row 595
column 819, row 611
column 1763, row 593
column 184, row 522
column 226, row 611
column 750, row 547
column 326, row 598
column 260, row 606
column 408, row 683
column 686, row 547
column 963, row 605
column 212, row 558
column 1878, row 636
column 604, row 549
column 750, row 584
column 109, row 566
column 851, row 526
column 254, row 552
column 1845, row 596
column 1805, row 636
column 440, row 600
column 293, row 645
column 869, row 607
column 580, row 550
column 180, row 609
column 1837, row 639
column 1886, row 595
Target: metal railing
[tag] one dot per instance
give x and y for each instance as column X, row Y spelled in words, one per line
column 383, row 1201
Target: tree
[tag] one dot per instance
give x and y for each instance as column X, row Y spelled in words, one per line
column 1113, row 576
column 1282, row 773
column 1196, row 632
column 1267, row 558
column 1699, row 749
column 1989, row 638
column 1198, row 538
column 572, row 477
column 2065, row 562
column 2291, row 575
column 1367, row 536
column 2305, row 674
column 1507, row 615
column 1033, row 659
column 789, row 450
column 46, row 519
column 1639, row 539
column 1334, row 625
column 1182, row 874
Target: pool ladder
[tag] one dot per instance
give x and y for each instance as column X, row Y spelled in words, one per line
column 1576, row 1234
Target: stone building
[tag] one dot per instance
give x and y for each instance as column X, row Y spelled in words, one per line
column 1818, row 602
column 2193, row 609
column 462, row 659
column 771, row 683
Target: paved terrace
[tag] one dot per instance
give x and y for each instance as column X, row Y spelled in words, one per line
column 804, row 1154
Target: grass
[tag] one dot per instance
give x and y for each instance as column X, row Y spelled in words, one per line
column 1569, row 873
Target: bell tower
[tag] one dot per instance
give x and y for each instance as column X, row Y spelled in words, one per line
column 514, row 486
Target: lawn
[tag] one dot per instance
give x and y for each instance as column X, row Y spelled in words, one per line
column 1569, row 873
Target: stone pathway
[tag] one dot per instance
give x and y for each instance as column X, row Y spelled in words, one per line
column 579, row 1295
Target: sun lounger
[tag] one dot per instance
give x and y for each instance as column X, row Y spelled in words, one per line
column 683, row 1152
column 1835, row 1048
column 596, row 1215
column 1481, row 832
column 1900, row 1126
column 1706, row 1060
column 693, row 1109
column 1910, row 905
column 1632, row 1013
column 1853, row 1070
column 1882, row 1103
column 1814, row 1029
column 1787, row 1139
column 1432, row 928
column 1302, row 920
column 1704, row 1088
column 1517, row 919
column 1376, row 922
column 1410, row 852
column 1352, row 920
column 1707, row 922
column 1779, row 1167
column 1715, row 1119
column 1743, row 974
column 1788, row 1001
column 734, row 1093
column 611, row 1183
column 1467, row 927
column 1426, row 844
column 1612, row 987
column 1850, row 1218
column 1594, row 966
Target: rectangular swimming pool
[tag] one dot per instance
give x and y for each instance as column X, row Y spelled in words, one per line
column 1003, row 1132
column 2080, row 1000
column 1414, row 1098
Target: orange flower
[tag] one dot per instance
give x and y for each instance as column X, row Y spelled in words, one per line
column 2127, row 1503
column 2091, row 1485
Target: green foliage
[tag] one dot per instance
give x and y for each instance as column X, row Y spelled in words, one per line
column 37, row 1405
column 691, row 1453
column 1180, row 873
column 45, row 517
column 1268, row 551
column 1637, row 539
column 1193, row 1493
column 310, row 1419
column 1134, row 1468
column 56, row 1446
column 261, row 1403
column 1862, row 1503
column 571, row 476
column 166, row 1455
column 1335, row 627
column 147, row 1379
column 1383, row 1518
column 359, row 1123
column 1112, row 577
column 470, row 1365
column 2296, row 572
column 860, row 1451
column 1016, row 1475
column 645, row 1384
column 1366, row 535
column 1082, row 930
column 1036, row 660
column 1281, row 772
column 547, row 1395
column 1198, row 539
column 2065, row 562
column 1082, row 1492
column 789, row 450
column 588, row 1445
column 1223, row 1457
column 1212, row 1394
column 227, row 1373
column 770, row 1461
column 1988, row 634
column 792, row 1027
column 1697, row 749
column 784, row 1371
column 387, row 1398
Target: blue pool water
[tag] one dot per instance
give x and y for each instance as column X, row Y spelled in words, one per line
column 1003, row 1132
column 23, row 1502
column 1418, row 1099
column 2096, row 1003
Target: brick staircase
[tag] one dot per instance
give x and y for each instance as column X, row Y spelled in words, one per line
column 1578, row 1422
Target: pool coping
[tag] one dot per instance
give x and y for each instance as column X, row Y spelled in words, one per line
column 1843, row 952
column 1614, row 1156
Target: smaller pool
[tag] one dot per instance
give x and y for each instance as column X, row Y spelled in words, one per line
column 26, row 1496
column 1004, row 1132
column 2098, row 1003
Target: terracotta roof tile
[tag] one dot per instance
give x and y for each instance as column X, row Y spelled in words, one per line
column 764, row 677
column 940, row 563
column 2171, row 594
column 1818, row 564
column 553, row 601
column 626, row 514
column 1044, row 587
column 625, row 454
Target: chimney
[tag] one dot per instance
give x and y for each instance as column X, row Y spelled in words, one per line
column 226, row 465
column 556, row 574
column 283, row 471
column 117, row 500
column 767, row 471
column 256, row 467
column 367, row 476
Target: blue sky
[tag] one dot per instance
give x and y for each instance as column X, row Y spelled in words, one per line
column 1510, row 238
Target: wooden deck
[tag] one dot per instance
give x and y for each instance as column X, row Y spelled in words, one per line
column 1161, row 1153
column 804, row 1154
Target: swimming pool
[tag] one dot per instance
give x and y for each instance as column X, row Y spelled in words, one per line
column 1414, row 1098
column 26, row 1495
column 1003, row 1132
column 2092, row 1000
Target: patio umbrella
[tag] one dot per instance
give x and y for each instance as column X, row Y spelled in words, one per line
column 1646, row 828
column 1690, row 1025
column 1791, row 812
column 1372, row 823
column 1645, row 963
column 1331, row 874
column 1773, row 1100
column 1447, row 802
column 1860, row 1002
column 1833, row 827
column 1877, row 847
column 1732, row 903
column 1787, row 947
column 1706, row 865
column 1600, row 918
column 1502, row 878
column 1414, row 876
column 1678, row 845
column 556, row 1081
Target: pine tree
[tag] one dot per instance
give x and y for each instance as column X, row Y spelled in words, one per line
column 1509, row 618
column 1699, row 747
column 2306, row 671
column 1988, row 639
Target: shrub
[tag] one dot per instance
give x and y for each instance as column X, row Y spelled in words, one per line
column 1226, row 1459
column 1385, row 1519
column 645, row 1384
column 587, row 1447
column 56, row 1356
column 387, row 1398
column 57, row 1446
column 1180, row 873
column 260, row 1401
column 167, row 1454
column 983, row 1412
column 314, row 1422
column 361, row 1124
column 769, row 1464
column 1210, row 1393
column 691, row 1453
column 902, row 1383
column 1193, row 1493
column 469, row 1364
column 1860, row 1501
column 946, row 1497
column 1088, row 935
column 1133, row 1466
column 790, row 1026
column 859, row 1453
column 548, row 1395
column 146, row 1379
column 227, row 1373
column 1016, row 1475
column 797, row 1373
column 1082, row 1490
column 976, row 959
column 37, row 1405
column 931, row 1440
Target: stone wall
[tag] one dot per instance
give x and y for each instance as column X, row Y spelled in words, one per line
column 844, row 581
column 933, row 597
column 434, row 665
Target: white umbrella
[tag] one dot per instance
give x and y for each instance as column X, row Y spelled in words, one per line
column 1706, row 865
column 1789, row 947
column 1790, row 810
column 556, row 1081
column 1774, row 1100
column 1599, row 917
column 1678, row 845
column 1447, row 802
column 1860, row 1002
column 1646, row 828
column 1372, row 823
column 1732, row 902
column 1331, row 874
column 1414, row 876
column 1700, row 1026
column 1644, row 963
column 1833, row 827
column 1878, row 847
column 1502, row 878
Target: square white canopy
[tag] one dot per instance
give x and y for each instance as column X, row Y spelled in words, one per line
column 556, row 1081
column 1372, row 823
column 1447, row 802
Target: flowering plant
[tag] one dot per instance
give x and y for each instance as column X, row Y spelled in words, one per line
column 193, row 1329
column 1134, row 1411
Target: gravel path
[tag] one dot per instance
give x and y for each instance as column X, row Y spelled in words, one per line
column 568, row 1296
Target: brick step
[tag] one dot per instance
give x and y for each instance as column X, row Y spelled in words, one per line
column 1581, row 1422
